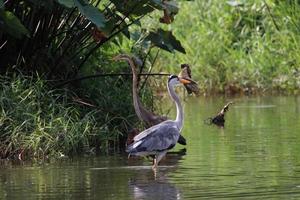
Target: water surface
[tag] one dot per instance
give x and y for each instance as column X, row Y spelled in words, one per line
column 256, row 156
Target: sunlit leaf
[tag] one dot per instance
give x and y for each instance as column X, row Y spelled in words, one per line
column 12, row 25
column 234, row 3
column 90, row 12
column 165, row 40
column 67, row 3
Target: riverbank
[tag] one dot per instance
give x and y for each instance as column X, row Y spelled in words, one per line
column 39, row 122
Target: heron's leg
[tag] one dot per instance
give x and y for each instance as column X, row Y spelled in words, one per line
column 160, row 156
column 154, row 166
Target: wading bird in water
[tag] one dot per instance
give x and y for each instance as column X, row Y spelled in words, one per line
column 157, row 140
column 149, row 118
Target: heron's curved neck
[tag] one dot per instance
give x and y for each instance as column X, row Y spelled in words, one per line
column 136, row 100
column 179, row 110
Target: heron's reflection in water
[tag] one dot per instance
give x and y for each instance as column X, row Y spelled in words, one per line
column 155, row 185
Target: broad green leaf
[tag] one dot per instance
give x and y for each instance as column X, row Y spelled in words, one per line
column 1, row 4
column 170, row 6
column 133, row 7
column 165, row 40
column 90, row 12
column 142, row 10
column 45, row 4
column 110, row 25
column 12, row 25
column 126, row 32
column 67, row 3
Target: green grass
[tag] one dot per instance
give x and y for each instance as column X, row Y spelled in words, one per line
column 39, row 122
column 249, row 48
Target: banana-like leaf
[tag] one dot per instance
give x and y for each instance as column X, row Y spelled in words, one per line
column 165, row 40
column 67, row 3
column 46, row 4
column 12, row 25
column 90, row 12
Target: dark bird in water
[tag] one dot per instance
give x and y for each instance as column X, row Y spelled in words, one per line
column 186, row 73
column 147, row 117
column 158, row 139
column 219, row 119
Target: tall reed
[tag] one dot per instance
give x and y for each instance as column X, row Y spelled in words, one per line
column 36, row 121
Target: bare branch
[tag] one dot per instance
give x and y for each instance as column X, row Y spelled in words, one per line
column 105, row 75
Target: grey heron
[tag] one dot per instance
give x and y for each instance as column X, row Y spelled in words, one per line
column 158, row 139
column 149, row 118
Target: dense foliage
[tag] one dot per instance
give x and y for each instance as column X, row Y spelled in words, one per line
column 240, row 46
column 54, row 106
column 57, row 38
column 66, row 99
column 37, row 121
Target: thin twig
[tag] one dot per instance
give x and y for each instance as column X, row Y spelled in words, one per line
column 105, row 75
column 3, row 45
column 151, row 67
column 143, row 65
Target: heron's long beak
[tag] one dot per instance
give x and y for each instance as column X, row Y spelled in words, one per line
column 184, row 81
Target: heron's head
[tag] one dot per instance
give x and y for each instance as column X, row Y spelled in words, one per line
column 137, row 61
column 175, row 80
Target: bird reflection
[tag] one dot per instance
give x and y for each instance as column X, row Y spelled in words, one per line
column 146, row 185
column 154, row 189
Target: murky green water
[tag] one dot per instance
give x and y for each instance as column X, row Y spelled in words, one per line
column 256, row 156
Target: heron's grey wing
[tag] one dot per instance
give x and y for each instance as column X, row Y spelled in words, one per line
column 151, row 130
column 163, row 138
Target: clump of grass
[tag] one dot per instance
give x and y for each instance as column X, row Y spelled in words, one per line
column 250, row 47
column 36, row 121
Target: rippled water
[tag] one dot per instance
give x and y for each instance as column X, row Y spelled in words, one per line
column 256, row 156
